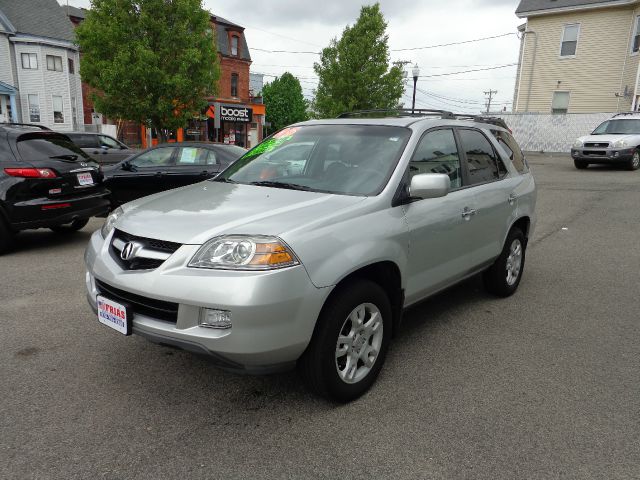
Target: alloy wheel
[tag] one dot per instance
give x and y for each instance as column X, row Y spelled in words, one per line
column 514, row 262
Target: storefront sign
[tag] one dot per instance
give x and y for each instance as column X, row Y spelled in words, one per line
column 235, row 113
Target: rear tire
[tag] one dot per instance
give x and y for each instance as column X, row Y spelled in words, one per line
column 503, row 277
column 580, row 164
column 7, row 237
column 74, row 226
column 634, row 163
column 350, row 342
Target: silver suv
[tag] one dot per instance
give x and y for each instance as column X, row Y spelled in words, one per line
column 310, row 261
column 616, row 141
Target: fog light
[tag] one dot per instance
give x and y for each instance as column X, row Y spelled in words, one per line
column 575, row 154
column 616, row 154
column 210, row 318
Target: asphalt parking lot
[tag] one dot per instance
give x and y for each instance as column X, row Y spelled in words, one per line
column 545, row 384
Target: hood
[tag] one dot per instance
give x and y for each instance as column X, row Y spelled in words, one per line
column 197, row 213
column 608, row 138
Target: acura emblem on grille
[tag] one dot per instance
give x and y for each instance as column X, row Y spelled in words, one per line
column 130, row 250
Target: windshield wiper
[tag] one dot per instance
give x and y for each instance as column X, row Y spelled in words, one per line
column 65, row 157
column 288, row 186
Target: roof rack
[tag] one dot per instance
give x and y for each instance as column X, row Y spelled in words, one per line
column 41, row 127
column 399, row 112
column 625, row 114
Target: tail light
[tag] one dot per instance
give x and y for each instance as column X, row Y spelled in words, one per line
column 30, row 172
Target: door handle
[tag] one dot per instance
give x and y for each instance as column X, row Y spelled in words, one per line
column 159, row 174
column 467, row 213
column 512, row 199
column 204, row 173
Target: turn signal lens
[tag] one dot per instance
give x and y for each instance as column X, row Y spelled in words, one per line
column 242, row 252
column 30, row 172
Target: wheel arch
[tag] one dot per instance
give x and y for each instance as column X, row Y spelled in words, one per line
column 524, row 224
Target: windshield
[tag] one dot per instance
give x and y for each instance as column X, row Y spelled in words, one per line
column 341, row 159
column 619, row 127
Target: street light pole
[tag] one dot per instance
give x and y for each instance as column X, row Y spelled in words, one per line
column 416, row 74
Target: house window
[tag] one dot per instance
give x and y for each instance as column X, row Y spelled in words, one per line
column 54, row 63
column 29, row 61
column 635, row 46
column 569, row 40
column 58, row 115
column 34, row 108
column 72, row 68
column 234, row 46
column 560, row 103
column 234, row 84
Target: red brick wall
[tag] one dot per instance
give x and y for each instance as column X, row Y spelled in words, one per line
column 227, row 67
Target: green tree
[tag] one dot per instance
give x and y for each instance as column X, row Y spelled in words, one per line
column 284, row 101
column 354, row 72
column 151, row 61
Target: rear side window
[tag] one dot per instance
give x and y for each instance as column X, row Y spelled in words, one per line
column 481, row 158
column 85, row 141
column 437, row 153
column 510, row 146
column 43, row 147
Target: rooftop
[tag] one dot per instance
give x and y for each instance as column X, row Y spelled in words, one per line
column 542, row 6
column 41, row 18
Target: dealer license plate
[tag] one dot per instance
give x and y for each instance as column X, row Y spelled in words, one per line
column 114, row 315
column 85, row 179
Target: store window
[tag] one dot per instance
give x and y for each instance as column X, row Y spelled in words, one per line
column 234, row 84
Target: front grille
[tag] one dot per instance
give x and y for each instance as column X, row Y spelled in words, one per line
column 596, row 153
column 597, row 145
column 149, row 307
column 141, row 262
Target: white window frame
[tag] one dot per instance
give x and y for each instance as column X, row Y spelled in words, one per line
column 636, row 32
column 56, row 61
column 568, row 103
column 564, row 29
column 37, row 104
column 33, row 58
column 53, row 107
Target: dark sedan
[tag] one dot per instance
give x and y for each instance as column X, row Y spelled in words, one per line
column 167, row 166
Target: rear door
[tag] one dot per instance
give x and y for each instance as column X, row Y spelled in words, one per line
column 89, row 144
column 75, row 173
column 440, row 237
column 494, row 187
column 142, row 175
column 192, row 165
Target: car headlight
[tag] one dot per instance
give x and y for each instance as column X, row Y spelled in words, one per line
column 621, row 144
column 578, row 144
column 110, row 222
column 244, row 252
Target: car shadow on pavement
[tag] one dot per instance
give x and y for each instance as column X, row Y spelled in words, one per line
column 30, row 240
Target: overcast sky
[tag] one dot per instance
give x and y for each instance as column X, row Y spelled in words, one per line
column 295, row 25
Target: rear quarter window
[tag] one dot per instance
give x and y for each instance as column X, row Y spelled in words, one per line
column 511, row 148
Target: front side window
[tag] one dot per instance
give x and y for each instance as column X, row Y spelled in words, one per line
column 234, row 46
column 234, row 84
column 481, row 158
column 160, row 157
column 29, row 61
column 54, row 63
column 437, row 152
column 560, row 102
column 340, row 159
column 34, row 108
column 569, row 43
column 106, row 141
column 58, row 112
column 195, row 156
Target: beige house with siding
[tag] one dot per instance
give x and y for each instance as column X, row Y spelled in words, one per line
column 578, row 56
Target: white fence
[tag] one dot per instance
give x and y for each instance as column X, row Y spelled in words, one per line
column 545, row 132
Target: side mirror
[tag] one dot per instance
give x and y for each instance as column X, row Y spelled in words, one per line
column 430, row 185
column 104, row 147
column 126, row 165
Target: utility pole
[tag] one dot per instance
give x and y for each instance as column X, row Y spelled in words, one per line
column 490, row 94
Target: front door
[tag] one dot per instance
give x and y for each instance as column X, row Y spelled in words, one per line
column 192, row 165
column 440, row 229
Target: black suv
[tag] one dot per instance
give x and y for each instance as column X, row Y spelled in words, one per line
column 45, row 182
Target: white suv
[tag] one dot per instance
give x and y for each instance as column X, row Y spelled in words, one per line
column 615, row 141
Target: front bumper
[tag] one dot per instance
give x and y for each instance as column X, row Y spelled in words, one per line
column 273, row 313
column 602, row 155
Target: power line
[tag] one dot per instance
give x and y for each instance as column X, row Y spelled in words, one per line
column 450, row 44
column 469, row 71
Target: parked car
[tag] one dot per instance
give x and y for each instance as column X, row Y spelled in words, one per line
column 45, row 182
column 616, row 141
column 266, row 267
column 167, row 166
column 104, row 149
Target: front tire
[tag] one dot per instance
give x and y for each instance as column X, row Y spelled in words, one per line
column 634, row 163
column 350, row 342
column 503, row 277
column 74, row 226
column 580, row 164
